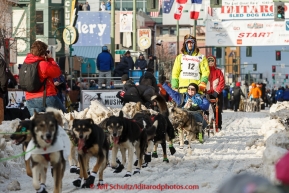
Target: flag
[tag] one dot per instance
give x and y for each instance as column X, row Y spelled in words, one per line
column 167, row 6
column 156, row 13
column 210, row 11
column 195, row 9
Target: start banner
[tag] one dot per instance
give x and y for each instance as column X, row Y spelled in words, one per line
column 246, row 9
column 247, row 33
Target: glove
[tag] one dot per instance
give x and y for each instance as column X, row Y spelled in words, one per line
column 202, row 86
column 215, row 94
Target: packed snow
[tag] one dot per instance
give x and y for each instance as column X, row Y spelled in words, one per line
column 249, row 142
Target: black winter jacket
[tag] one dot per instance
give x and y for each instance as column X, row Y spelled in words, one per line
column 141, row 63
column 237, row 93
column 3, row 78
column 145, row 92
column 149, row 79
column 121, row 69
column 127, row 60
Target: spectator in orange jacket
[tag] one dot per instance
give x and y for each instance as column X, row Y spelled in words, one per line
column 256, row 94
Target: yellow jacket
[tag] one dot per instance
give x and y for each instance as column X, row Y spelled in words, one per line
column 182, row 84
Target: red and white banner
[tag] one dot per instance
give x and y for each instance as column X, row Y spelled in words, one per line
column 247, row 33
column 246, row 9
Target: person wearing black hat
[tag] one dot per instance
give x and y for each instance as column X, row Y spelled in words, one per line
column 126, row 59
column 141, row 63
column 190, row 100
column 149, row 79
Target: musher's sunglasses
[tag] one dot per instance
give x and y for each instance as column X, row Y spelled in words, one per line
column 211, row 60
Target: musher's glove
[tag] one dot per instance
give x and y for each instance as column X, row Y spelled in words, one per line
column 215, row 94
column 202, row 86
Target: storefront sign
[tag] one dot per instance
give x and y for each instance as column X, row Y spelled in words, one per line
column 144, row 38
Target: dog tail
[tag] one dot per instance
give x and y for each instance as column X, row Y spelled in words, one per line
column 161, row 104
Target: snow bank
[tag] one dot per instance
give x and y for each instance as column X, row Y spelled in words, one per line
column 276, row 138
column 7, row 149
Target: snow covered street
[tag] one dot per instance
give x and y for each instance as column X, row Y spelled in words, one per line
column 204, row 169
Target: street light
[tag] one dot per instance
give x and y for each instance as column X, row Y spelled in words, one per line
column 70, row 48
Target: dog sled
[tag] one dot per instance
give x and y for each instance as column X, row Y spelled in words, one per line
column 211, row 116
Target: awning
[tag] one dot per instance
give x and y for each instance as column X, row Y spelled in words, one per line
column 87, row 51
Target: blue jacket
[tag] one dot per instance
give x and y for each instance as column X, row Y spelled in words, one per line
column 108, row 6
column 181, row 99
column 120, row 69
column 141, row 63
column 104, row 61
column 279, row 95
column 286, row 94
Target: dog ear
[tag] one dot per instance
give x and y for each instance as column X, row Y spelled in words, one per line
column 35, row 113
column 138, row 106
column 120, row 114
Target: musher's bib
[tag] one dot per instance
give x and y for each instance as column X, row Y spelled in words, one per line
column 190, row 67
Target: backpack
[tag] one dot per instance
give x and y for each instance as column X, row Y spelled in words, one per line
column 29, row 79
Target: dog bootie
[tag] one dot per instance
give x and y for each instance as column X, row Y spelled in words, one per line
column 119, row 168
column 155, row 155
column 186, row 142
column 128, row 174
column 148, row 157
column 77, row 170
column 73, row 169
column 137, row 171
column 166, row 160
column 135, row 163
column 172, row 150
column 118, row 161
column 42, row 189
column 77, row 182
column 89, row 181
column 144, row 165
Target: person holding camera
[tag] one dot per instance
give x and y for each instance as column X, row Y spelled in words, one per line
column 42, row 93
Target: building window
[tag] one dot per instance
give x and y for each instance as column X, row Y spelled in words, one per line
column 39, row 23
column 55, row 20
column 164, row 30
column 173, row 31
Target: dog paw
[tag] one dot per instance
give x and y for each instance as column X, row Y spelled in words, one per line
column 73, row 169
column 77, row 171
column 144, row 165
column 77, row 182
column 88, row 182
column 137, row 171
column 135, row 163
column 155, row 155
column 186, row 142
column 166, row 160
column 128, row 174
column 148, row 158
column 119, row 169
column 181, row 147
column 172, row 150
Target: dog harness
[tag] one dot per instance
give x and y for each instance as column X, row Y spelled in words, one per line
column 46, row 156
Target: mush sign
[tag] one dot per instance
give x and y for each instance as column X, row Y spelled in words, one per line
column 93, row 28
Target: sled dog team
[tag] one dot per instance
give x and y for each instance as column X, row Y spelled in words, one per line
column 50, row 139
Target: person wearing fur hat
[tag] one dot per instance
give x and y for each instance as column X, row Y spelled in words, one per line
column 215, row 86
column 190, row 67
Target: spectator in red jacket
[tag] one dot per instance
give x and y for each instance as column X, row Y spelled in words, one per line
column 47, row 69
column 215, row 86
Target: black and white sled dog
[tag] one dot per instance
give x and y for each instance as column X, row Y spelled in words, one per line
column 45, row 138
column 91, row 141
column 128, row 134
column 164, row 132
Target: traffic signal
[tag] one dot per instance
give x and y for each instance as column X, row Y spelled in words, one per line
column 254, row 67
column 286, row 76
column 273, row 76
column 274, row 69
column 279, row 11
column 249, row 51
column 278, row 55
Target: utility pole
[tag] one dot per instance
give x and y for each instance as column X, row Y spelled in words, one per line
column 195, row 28
column 134, row 26
column 32, row 22
column 178, row 38
column 112, row 30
